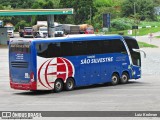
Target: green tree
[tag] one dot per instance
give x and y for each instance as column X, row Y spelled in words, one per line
column 107, row 3
column 17, row 3
column 21, row 24
column 106, row 6
column 44, row 4
column 27, row 4
column 83, row 10
column 6, row 19
column 143, row 8
column 156, row 2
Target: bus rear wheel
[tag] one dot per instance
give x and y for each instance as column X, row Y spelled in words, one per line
column 69, row 84
column 58, row 85
column 124, row 78
column 115, row 79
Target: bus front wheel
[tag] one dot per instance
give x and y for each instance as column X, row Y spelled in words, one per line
column 58, row 85
column 69, row 84
column 124, row 78
column 115, row 79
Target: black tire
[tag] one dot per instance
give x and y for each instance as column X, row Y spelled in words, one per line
column 70, row 84
column 124, row 78
column 20, row 34
column 58, row 85
column 115, row 79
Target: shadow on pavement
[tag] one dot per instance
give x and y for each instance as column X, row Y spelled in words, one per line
column 40, row 92
column 33, row 93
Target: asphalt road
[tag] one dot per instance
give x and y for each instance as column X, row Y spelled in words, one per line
column 137, row 95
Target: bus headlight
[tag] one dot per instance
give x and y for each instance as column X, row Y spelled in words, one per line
column 133, row 73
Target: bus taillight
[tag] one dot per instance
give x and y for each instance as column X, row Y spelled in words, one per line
column 32, row 77
column 33, row 84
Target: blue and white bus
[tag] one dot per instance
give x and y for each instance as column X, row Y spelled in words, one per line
column 69, row 62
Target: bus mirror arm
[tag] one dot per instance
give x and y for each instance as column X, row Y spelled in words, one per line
column 139, row 50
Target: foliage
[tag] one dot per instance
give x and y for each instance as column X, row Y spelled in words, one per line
column 18, row 3
column 6, row 19
column 86, row 11
column 106, row 6
column 121, row 24
column 156, row 3
column 43, row 4
column 22, row 24
column 98, row 17
column 144, row 8
column 83, row 9
column 46, row 4
column 103, row 3
column 107, row 3
column 27, row 4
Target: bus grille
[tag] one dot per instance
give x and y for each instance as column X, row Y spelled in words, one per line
column 19, row 64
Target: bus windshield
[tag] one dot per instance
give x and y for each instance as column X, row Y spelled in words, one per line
column 43, row 29
column 132, row 44
column 10, row 28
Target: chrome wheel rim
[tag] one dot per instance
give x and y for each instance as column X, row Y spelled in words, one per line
column 58, row 85
column 114, row 79
column 124, row 78
column 70, row 84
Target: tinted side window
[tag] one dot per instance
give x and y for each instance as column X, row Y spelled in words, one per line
column 76, row 48
column 94, row 47
column 79, row 48
column 106, row 46
column 66, row 48
column 117, row 46
column 132, row 44
column 48, row 50
column 113, row 46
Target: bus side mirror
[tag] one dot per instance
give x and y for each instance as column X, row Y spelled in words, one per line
column 139, row 50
